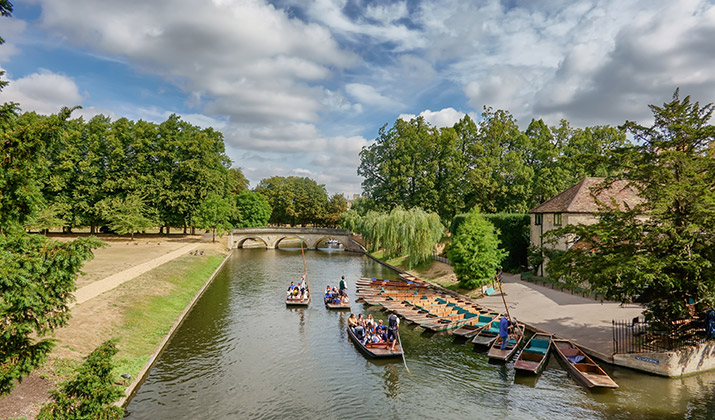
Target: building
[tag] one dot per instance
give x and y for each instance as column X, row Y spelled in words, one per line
column 576, row 205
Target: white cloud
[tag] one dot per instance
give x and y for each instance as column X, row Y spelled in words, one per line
column 446, row 117
column 44, row 92
column 12, row 33
column 252, row 60
column 368, row 95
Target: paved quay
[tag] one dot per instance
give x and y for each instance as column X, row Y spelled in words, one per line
column 585, row 321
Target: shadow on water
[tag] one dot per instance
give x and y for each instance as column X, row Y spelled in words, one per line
column 240, row 354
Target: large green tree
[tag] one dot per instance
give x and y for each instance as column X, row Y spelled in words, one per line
column 662, row 251
column 214, row 213
column 294, row 200
column 475, row 251
column 251, row 210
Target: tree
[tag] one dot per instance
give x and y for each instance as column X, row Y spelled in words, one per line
column 337, row 205
column 91, row 393
column 37, row 275
column 662, row 251
column 127, row 215
column 413, row 233
column 350, row 220
column 294, row 200
column 251, row 210
column 237, row 182
column 214, row 213
column 475, row 251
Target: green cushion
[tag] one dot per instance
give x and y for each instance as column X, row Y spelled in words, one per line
column 485, row 319
column 539, row 343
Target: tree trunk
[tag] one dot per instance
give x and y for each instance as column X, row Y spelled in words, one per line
column 168, row 230
column 132, row 236
column 213, row 239
column 91, row 229
column 193, row 230
column 161, row 230
column 185, row 228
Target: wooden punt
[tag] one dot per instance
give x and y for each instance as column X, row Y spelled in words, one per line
column 512, row 345
column 486, row 336
column 534, row 356
column 381, row 350
column 581, row 366
column 470, row 330
column 298, row 302
column 339, row 305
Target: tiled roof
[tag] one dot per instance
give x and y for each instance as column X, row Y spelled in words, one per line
column 579, row 199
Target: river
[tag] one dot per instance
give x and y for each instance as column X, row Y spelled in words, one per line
column 241, row 353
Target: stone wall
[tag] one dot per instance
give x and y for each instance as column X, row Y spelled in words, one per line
column 683, row 362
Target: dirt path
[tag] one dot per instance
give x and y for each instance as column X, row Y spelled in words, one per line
column 98, row 287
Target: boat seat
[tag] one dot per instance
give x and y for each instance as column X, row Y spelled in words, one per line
column 485, row 319
column 539, row 345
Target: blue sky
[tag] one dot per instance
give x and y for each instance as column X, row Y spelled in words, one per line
column 299, row 87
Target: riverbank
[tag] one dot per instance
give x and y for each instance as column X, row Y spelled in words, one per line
column 139, row 310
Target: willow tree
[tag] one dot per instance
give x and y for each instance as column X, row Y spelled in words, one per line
column 402, row 232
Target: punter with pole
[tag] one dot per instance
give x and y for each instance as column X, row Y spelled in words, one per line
column 393, row 326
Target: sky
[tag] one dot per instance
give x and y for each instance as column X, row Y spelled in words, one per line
column 299, row 87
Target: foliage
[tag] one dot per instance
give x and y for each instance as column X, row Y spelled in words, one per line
column 475, row 252
column 36, row 283
column 337, row 205
column 513, row 234
column 91, row 393
column 513, row 231
column 214, row 213
column 251, row 210
column 126, row 215
column 491, row 164
column 400, row 232
column 362, row 205
column 294, row 200
column 662, row 251
column 36, row 275
column 350, row 220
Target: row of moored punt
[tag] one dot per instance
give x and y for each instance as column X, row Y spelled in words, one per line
column 421, row 303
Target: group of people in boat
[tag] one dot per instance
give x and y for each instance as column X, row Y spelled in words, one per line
column 340, row 295
column 298, row 291
column 369, row 331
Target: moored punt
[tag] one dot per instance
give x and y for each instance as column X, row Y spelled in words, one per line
column 380, row 350
column 581, row 366
column 298, row 302
column 469, row 330
column 534, row 356
column 486, row 336
column 512, row 345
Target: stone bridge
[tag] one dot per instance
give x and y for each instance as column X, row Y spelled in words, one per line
column 272, row 236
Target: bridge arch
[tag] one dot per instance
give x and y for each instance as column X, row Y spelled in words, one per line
column 239, row 244
column 329, row 237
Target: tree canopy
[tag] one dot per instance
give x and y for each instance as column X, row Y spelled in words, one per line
column 491, row 164
column 662, row 251
column 301, row 201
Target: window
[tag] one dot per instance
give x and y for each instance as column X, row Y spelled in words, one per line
column 557, row 219
column 538, row 218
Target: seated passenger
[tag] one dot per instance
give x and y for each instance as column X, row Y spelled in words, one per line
column 352, row 321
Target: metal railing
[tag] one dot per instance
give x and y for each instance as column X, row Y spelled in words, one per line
column 441, row 259
column 638, row 336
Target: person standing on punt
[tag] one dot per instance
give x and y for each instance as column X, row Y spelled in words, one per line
column 504, row 324
column 393, row 326
column 342, row 286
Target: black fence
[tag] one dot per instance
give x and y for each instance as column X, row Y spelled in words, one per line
column 637, row 336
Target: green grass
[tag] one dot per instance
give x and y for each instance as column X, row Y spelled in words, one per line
column 148, row 318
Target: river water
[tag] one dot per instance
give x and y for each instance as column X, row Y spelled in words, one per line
column 242, row 354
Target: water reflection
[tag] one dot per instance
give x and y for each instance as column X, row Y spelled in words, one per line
column 242, row 354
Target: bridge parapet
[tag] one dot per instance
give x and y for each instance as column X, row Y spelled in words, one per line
column 272, row 236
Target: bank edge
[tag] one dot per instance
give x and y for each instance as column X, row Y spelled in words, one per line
column 134, row 386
